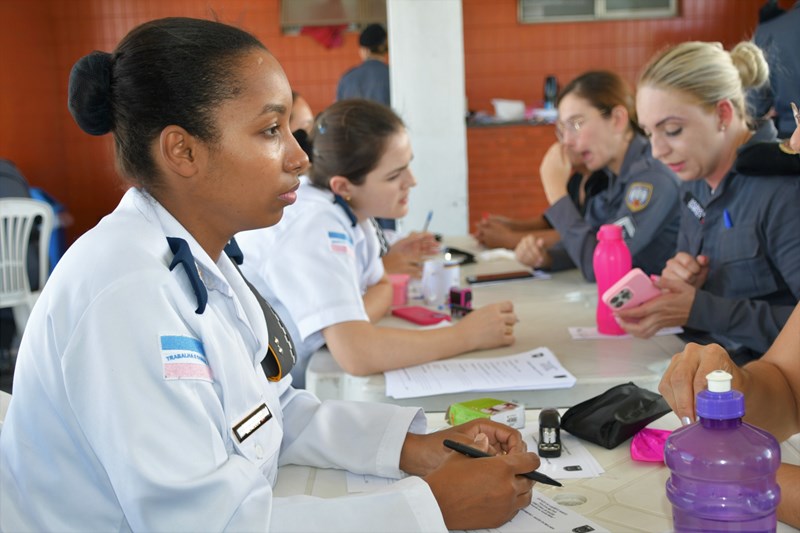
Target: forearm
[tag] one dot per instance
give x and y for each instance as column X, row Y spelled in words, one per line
column 789, row 481
column 378, row 300
column 770, row 402
column 577, row 236
column 362, row 348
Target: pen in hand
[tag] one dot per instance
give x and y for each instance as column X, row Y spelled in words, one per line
column 427, row 221
column 472, row 452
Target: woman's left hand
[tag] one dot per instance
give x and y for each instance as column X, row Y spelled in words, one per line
column 670, row 309
column 422, row 454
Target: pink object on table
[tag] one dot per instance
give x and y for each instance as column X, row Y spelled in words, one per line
column 648, row 445
column 400, row 288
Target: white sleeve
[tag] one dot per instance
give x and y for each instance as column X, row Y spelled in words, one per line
column 407, row 505
column 315, row 274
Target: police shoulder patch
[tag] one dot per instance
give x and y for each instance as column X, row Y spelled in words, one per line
column 638, row 195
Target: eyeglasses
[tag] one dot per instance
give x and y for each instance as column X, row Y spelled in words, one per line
column 569, row 127
column 572, row 126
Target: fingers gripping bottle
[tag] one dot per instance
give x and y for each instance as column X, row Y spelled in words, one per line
column 611, row 261
column 722, row 470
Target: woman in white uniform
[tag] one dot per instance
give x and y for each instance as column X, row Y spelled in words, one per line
column 327, row 281
column 139, row 400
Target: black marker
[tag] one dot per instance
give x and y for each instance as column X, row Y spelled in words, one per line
column 476, row 454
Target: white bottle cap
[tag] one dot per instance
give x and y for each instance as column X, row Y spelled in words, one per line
column 719, row 381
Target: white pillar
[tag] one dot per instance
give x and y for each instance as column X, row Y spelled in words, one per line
column 426, row 56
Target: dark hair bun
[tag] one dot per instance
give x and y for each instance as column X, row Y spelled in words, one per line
column 90, row 93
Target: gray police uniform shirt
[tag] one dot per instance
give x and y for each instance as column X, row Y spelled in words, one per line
column 369, row 80
column 643, row 199
column 750, row 230
column 780, row 40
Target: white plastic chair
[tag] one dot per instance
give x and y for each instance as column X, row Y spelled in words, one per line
column 5, row 400
column 18, row 217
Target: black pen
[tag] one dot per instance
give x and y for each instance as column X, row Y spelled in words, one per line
column 472, row 452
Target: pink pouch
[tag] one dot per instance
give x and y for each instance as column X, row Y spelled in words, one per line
column 399, row 288
column 648, row 445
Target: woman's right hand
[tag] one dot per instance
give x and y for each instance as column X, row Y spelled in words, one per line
column 482, row 493
column 497, row 232
column 531, row 251
column 489, row 326
column 686, row 376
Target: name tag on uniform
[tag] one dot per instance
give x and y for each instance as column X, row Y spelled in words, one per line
column 250, row 423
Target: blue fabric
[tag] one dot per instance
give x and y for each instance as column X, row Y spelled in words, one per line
column 183, row 255
column 369, row 80
column 58, row 239
column 780, row 40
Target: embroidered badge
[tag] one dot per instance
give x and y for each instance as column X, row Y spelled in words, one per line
column 184, row 358
column 250, row 423
column 638, row 195
column 340, row 243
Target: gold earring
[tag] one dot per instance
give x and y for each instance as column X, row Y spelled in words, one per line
column 347, row 198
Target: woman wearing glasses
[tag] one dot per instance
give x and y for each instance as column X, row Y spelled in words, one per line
column 597, row 121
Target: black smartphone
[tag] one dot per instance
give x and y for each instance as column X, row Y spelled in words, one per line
column 502, row 276
column 456, row 255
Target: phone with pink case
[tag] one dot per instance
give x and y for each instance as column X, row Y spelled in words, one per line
column 633, row 289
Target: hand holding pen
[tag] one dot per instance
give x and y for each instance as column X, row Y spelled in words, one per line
column 477, row 454
column 482, row 494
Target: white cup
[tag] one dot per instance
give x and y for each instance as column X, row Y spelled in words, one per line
column 435, row 282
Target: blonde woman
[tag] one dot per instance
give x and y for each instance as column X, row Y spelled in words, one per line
column 736, row 276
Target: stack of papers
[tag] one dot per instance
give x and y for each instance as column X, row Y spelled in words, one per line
column 591, row 333
column 532, row 370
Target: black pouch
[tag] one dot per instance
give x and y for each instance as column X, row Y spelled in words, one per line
column 615, row 416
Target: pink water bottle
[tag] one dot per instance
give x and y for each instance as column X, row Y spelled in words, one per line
column 722, row 470
column 611, row 261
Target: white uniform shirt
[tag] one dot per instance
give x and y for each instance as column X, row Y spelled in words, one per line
column 313, row 267
column 127, row 403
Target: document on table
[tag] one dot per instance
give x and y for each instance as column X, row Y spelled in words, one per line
column 536, row 369
column 541, row 515
column 590, row 333
column 575, row 462
column 545, row 515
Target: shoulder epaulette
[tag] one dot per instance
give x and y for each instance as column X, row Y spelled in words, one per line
column 767, row 159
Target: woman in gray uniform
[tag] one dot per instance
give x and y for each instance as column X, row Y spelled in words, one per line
column 736, row 276
column 597, row 121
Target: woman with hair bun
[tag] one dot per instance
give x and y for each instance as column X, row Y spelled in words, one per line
column 150, row 390
column 328, row 282
column 736, row 276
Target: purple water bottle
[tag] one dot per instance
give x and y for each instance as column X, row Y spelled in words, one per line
column 722, row 469
column 611, row 261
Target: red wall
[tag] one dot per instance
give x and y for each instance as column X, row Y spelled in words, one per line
column 41, row 39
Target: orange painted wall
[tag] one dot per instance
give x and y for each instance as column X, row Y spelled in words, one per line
column 504, row 59
column 41, row 39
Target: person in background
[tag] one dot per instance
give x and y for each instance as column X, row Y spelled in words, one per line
column 328, row 281
column 496, row 231
column 370, row 79
column 401, row 255
column 140, row 400
column 771, row 388
column 779, row 38
column 597, row 121
column 736, row 276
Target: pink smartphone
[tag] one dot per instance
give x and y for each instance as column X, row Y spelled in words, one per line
column 635, row 288
column 419, row 315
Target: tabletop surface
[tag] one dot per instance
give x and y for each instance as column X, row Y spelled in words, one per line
column 546, row 308
column 628, row 496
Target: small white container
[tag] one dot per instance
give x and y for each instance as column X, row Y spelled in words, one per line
column 509, row 109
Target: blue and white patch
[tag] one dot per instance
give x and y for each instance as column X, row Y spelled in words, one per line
column 638, row 195
column 340, row 243
column 184, row 358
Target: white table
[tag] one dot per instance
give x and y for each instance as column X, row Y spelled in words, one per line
column 545, row 308
column 629, row 496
